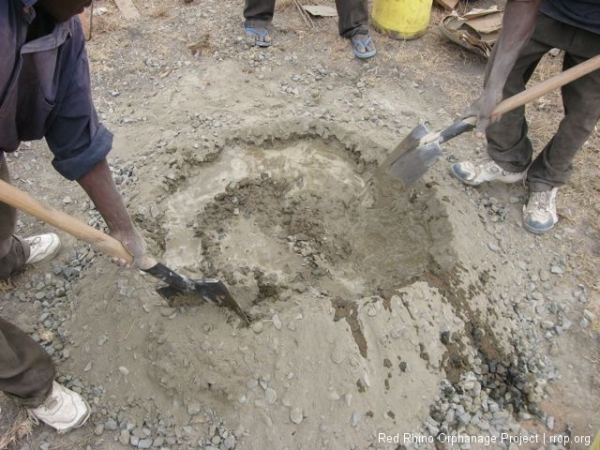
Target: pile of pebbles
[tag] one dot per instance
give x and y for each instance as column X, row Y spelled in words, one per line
column 493, row 397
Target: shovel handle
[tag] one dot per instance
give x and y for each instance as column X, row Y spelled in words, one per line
column 520, row 99
column 548, row 85
column 24, row 202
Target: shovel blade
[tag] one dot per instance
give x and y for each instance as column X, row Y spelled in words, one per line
column 411, row 141
column 412, row 164
column 210, row 290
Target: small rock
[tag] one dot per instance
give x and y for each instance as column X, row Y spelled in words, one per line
column 145, row 443
column 337, row 355
column 296, row 415
column 398, row 332
column 356, row 418
column 270, row 396
column 194, row 409
column 494, row 247
column 547, row 325
column 167, row 312
column 124, row 437
column 229, row 442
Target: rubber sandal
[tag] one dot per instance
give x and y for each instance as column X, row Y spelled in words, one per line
column 258, row 33
column 357, row 45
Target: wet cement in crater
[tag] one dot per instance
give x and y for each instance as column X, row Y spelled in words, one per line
column 299, row 217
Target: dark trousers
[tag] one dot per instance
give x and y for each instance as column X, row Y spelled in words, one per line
column 508, row 143
column 13, row 253
column 26, row 370
column 353, row 14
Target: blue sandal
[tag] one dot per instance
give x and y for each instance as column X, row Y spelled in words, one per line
column 358, row 45
column 259, row 34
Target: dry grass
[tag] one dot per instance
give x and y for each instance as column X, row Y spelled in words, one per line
column 19, row 428
column 4, row 286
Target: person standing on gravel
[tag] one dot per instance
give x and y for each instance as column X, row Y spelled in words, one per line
column 530, row 29
column 353, row 21
column 45, row 93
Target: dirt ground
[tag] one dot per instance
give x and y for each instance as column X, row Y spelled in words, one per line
column 374, row 309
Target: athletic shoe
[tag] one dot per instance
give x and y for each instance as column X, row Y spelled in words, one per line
column 474, row 174
column 63, row 410
column 539, row 215
column 42, row 247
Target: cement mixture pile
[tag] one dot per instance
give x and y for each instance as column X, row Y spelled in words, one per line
column 380, row 317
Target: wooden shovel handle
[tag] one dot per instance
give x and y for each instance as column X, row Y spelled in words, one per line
column 24, row 202
column 548, row 85
column 520, row 99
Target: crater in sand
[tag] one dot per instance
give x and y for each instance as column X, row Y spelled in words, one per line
column 294, row 216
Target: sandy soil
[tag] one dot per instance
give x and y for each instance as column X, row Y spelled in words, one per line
column 373, row 307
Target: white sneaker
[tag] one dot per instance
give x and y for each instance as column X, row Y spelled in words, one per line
column 42, row 247
column 474, row 174
column 63, row 410
column 539, row 215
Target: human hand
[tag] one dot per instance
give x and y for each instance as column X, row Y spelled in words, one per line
column 483, row 109
column 136, row 246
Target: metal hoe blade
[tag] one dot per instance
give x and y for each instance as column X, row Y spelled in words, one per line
column 210, row 290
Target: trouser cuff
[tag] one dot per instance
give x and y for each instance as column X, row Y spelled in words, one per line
column 257, row 23
column 15, row 259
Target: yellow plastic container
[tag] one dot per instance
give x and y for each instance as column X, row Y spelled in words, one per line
column 401, row 19
column 596, row 444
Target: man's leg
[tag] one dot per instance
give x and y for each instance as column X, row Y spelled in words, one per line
column 26, row 370
column 581, row 100
column 509, row 148
column 353, row 24
column 353, row 15
column 508, row 143
column 259, row 15
column 13, row 252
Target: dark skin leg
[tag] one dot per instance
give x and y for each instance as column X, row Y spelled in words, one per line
column 363, row 38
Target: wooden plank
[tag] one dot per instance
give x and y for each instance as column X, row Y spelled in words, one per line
column 128, row 9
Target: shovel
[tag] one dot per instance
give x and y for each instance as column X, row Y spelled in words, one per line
column 421, row 148
column 208, row 289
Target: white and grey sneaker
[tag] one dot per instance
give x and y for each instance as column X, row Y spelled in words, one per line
column 63, row 410
column 474, row 174
column 42, row 247
column 539, row 215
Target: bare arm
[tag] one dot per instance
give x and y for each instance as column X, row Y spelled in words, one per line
column 517, row 27
column 100, row 187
